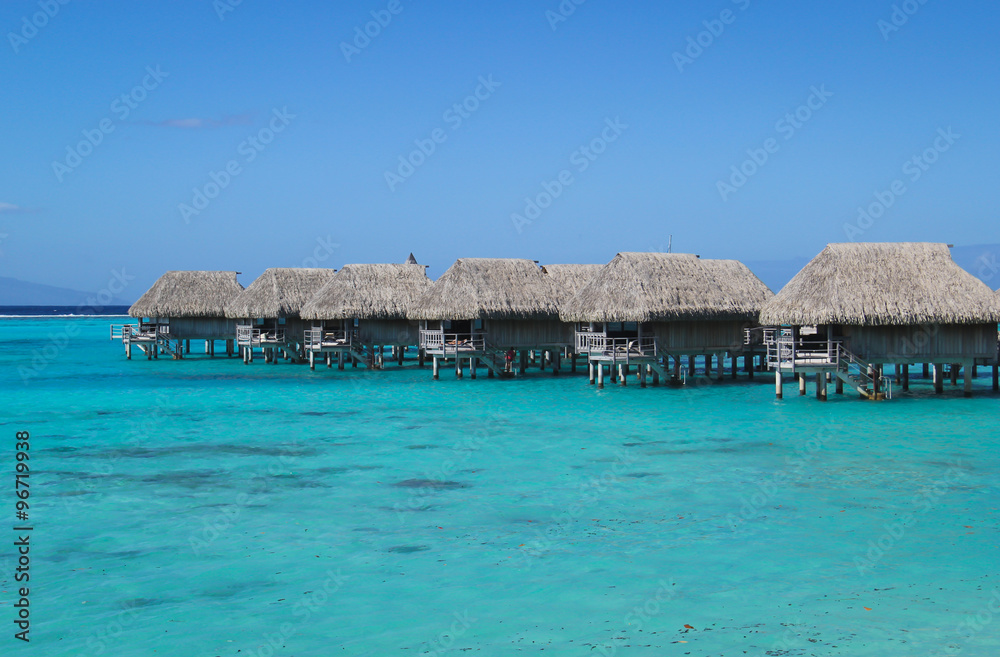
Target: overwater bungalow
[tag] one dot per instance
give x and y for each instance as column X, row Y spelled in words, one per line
column 858, row 307
column 483, row 308
column 179, row 307
column 267, row 312
column 567, row 280
column 641, row 309
column 362, row 309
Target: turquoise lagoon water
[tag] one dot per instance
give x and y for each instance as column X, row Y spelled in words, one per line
column 206, row 507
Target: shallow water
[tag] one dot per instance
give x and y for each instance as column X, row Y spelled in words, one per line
column 205, row 507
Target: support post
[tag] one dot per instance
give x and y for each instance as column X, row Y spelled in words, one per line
column 968, row 379
column 556, row 357
column 734, row 366
column 642, row 376
column 523, row 364
column 572, row 364
column 839, row 385
column 802, row 384
column 778, row 388
column 600, row 376
column 677, row 374
column 590, row 371
column 677, row 367
column 821, row 386
column 420, row 357
column 926, row 372
column 906, row 377
column 938, row 378
column 996, row 378
column 312, row 359
column 458, row 367
column 329, row 360
column 472, row 367
column 622, row 376
column 954, row 373
column 435, row 368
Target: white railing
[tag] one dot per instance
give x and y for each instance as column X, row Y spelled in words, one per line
column 600, row 344
column 122, row 331
column 247, row 336
column 318, row 338
column 452, row 343
column 785, row 352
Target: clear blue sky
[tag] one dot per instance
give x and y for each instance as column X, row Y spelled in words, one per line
column 324, row 174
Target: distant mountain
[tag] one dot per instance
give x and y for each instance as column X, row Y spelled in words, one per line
column 14, row 292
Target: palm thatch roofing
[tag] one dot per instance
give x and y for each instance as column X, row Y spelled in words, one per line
column 386, row 291
column 489, row 288
column 569, row 279
column 652, row 287
column 188, row 294
column 875, row 284
column 278, row 292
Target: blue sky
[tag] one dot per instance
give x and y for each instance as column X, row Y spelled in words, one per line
column 219, row 85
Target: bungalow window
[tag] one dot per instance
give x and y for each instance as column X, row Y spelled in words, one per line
column 281, row 321
column 478, row 326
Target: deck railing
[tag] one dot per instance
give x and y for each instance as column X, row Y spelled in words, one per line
column 452, row 343
column 785, row 352
column 247, row 336
column 318, row 338
column 600, row 344
column 121, row 331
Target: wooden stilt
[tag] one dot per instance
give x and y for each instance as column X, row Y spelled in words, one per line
column 838, row 385
column 954, row 373
column 975, row 371
column 677, row 367
column 720, row 370
column 938, row 378
column 926, row 371
column 572, row 364
column 968, row 379
column 708, row 365
column 690, row 368
column 399, row 355
column 906, row 377
column 656, row 377
column 748, row 366
column 329, row 360
column 821, row 386
column 340, row 360
column 473, row 362
column 621, row 376
column 187, row 346
column 420, row 357
column 642, row 376
column 458, row 367
column 590, row 371
column 600, row 376
column 555, row 363
column 996, row 378
column 523, row 364
column 778, row 388
column 802, row 384
column 734, row 366
column 435, row 368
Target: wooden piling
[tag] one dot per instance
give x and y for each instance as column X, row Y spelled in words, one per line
column 312, row 359
column 472, row 368
column 778, row 388
column 622, row 376
column 938, row 378
column 690, row 367
column 802, row 384
column 968, row 379
column 996, row 378
column 590, row 371
column 600, row 376
column 435, row 368
column 642, row 376
column 906, row 377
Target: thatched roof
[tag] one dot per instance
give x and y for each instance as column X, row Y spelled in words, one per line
column 883, row 284
column 369, row 292
column 489, row 288
column 279, row 292
column 188, row 294
column 569, row 279
column 651, row 287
